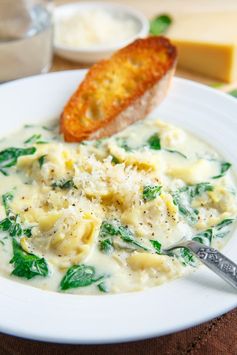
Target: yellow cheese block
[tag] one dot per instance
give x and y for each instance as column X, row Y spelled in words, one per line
column 207, row 43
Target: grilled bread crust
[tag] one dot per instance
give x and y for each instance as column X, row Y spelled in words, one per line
column 119, row 91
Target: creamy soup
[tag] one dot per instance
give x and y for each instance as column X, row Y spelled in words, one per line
column 93, row 217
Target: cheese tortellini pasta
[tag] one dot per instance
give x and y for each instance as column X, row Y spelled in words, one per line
column 94, row 217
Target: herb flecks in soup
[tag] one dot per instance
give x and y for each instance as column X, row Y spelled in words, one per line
column 94, row 217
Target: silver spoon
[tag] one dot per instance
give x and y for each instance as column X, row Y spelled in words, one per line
column 212, row 258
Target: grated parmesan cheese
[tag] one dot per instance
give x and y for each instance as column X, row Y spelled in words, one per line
column 93, row 27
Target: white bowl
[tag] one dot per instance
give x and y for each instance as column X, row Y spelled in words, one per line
column 94, row 53
column 59, row 317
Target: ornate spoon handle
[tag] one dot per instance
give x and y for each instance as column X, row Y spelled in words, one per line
column 216, row 261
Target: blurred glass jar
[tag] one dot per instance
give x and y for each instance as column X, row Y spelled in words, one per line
column 26, row 37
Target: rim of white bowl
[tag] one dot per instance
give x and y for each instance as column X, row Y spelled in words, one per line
column 143, row 32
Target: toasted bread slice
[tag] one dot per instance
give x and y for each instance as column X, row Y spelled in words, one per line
column 120, row 91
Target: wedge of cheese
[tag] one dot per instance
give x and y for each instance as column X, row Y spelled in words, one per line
column 207, row 43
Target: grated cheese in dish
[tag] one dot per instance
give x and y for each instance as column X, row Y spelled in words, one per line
column 93, row 217
column 93, row 27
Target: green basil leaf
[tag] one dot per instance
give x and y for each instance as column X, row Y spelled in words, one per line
column 27, row 265
column 79, row 276
column 160, row 24
column 151, row 192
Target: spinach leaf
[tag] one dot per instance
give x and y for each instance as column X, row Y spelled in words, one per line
column 5, row 225
column 64, row 184
column 160, row 24
column 9, row 156
column 204, row 237
column 27, row 265
column 11, row 223
column 198, row 189
column 3, row 172
column 79, row 276
column 127, row 236
column 151, row 192
column 176, row 152
column 233, row 93
column 220, row 229
column 109, row 230
column 225, row 166
column 27, row 232
column 6, row 198
column 156, row 245
column 154, row 142
column 122, row 143
column 41, row 160
column 187, row 257
column 182, row 198
column 99, row 142
column 35, row 139
column 115, row 160
column 103, row 287
column 106, row 246
column 184, row 208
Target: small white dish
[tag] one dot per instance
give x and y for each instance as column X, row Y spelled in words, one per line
column 94, row 53
column 64, row 318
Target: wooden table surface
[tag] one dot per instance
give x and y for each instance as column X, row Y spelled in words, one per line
column 217, row 337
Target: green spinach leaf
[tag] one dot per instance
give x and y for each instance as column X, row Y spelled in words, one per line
column 184, row 208
column 233, row 93
column 156, row 245
column 151, row 192
column 109, row 230
column 103, row 287
column 35, row 139
column 9, row 156
column 27, row 265
column 6, row 198
column 41, row 160
column 64, row 184
column 224, row 167
column 176, row 152
column 154, row 142
column 79, row 276
column 127, row 236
